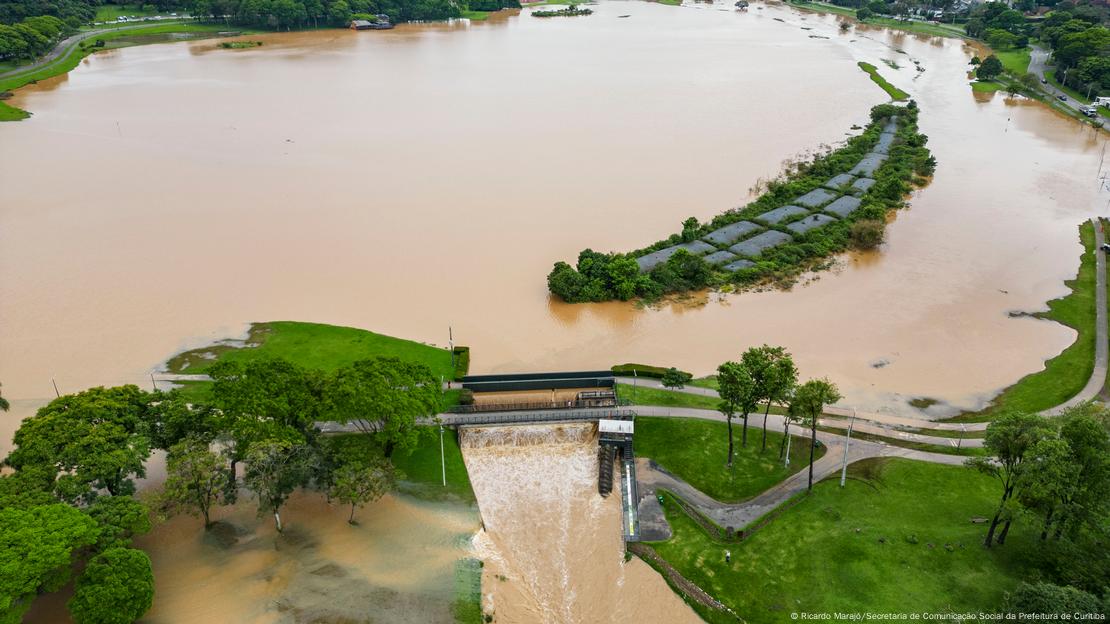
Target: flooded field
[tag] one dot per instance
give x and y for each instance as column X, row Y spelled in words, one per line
column 429, row 176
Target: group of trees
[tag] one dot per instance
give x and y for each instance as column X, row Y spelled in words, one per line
column 999, row 25
column 1080, row 44
column 289, row 14
column 70, row 496
column 73, row 13
column 766, row 376
column 31, row 37
column 607, row 276
column 1056, row 473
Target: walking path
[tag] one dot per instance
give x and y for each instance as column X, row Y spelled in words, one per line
column 1102, row 346
column 66, row 45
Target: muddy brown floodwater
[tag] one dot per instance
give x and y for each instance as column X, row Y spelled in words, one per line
column 425, row 177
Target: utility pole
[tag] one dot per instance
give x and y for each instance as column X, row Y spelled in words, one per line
column 847, row 443
column 56, row 393
column 154, row 385
column 442, row 459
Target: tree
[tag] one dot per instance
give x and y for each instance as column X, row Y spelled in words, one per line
column 356, row 483
column 264, row 400
column 690, row 229
column 194, row 480
column 1008, row 439
column 1042, row 597
column 384, row 397
column 4, row 405
column 867, row 233
column 172, row 418
column 91, row 441
column 774, row 374
column 36, row 554
column 1030, row 82
column 1047, row 479
column 274, row 468
column 989, row 69
column 738, row 394
column 809, row 403
column 864, row 13
column 674, row 378
column 117, row 587
column 118, row 519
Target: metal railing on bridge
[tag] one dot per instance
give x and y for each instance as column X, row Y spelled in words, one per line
column 504, row 418
column 583, row 403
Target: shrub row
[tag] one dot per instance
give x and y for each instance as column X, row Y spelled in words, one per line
column 606, row 276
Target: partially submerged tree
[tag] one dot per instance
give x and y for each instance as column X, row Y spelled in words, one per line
column 1008, row 439
column 809, row 403
column 89, row 442
column 274, row 469
column 738, row 394
column 194, row 480
column 118, row 519
column 357, row 483
column 989, row 69
column 38, row 548
column 117, row 587
column 774, row 375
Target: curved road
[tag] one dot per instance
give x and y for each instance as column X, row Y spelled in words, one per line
column 66, row 45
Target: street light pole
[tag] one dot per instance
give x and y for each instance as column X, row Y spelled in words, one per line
column 786, row 464
column 442, row 460
column 844, row 466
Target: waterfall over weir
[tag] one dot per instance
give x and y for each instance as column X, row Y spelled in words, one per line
column 552, row 546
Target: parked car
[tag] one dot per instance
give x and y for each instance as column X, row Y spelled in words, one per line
column 1061, row 98
column 1044, row 80
column 1105, row 247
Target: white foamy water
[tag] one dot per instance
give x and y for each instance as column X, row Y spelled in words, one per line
column 552, row 546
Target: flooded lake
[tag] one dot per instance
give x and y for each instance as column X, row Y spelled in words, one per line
column 425, row 177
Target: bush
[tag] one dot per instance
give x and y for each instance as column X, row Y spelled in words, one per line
column 674, row 378
column 867, row 234
column 462, row 362
column 1044, row 597
column 644, row 370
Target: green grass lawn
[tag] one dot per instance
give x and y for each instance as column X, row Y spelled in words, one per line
column 1066, row 374
column 313, row 345
column 424, row 473
column 894, row 92
column 476, row 16
column 641, row 395
column 880, row 544
column 1014, row 61
column 109, row 12
column 696, row 450
column 706, row 382
column 988, row 86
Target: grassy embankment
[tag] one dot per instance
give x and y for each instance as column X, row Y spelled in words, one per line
column 913, row 26
column 1015, row 64
column 894, row 92
column 327, row 348
column 1066, row 374
column 897, row 538
column 696, row 450
column 476, row 16
column 72, row 58
column 659, row 397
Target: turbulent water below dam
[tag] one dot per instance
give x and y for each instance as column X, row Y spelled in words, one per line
column 552, row 545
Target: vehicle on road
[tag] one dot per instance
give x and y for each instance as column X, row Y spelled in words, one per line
column 1089, row 111
column 1105, row 247
column 1044, row 80
column 1062, row 98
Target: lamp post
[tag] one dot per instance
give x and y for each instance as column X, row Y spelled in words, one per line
column 847, row 443
column 442, row 459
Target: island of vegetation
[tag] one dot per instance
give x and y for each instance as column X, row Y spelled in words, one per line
column 817, row 208
column 573, row 9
